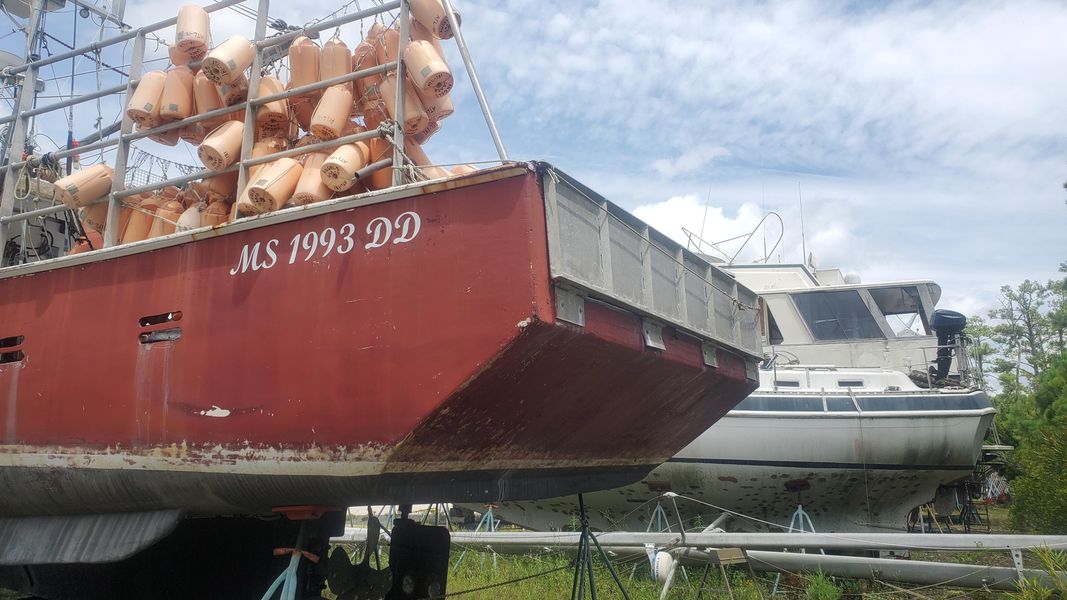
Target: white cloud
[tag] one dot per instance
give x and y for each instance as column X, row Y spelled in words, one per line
column 691, row 160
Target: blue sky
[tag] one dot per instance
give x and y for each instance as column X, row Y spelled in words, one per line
column 929, row 139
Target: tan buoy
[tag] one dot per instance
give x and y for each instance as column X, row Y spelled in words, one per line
column 176, row 102
column 94, row 216
column 141, row 218
column 437, row 108
column 415, row 118
column 432, row 172
column 93, row 241
column 304, row 57
column 421, row 137
column 166, row 218
column 331, row 114
column 339, row 169
column 311, row 187
column 374, row 113
column 189, row 219
column 380, row 149
column 192, row 32
column 196, row 191
column 431, row 14
column 222, row 188
column 415, row 152
column 227, row 62
column 222, row 147
column 335, row 60
column 143, row 107
column 215, row 214
column 194, row 134
column 177, row 57
column 303, row 62
column 234, row 92
column 206, row 98
column 261, row 148
column 273, row 186
column 82, row 187
column 171, row 137
column 272, row 114
column 419, row 32
column 428, row 72
column 463, row 169
column 365, row 57
column 303, row 108
column 386, row 46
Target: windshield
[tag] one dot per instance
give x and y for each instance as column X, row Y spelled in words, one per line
column 839, row 315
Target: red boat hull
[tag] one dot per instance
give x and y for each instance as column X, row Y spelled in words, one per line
column 413, row 354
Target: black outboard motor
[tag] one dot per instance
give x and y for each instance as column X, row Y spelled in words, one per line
column 947, row 324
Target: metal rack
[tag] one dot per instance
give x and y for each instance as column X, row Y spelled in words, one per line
column 391, row 130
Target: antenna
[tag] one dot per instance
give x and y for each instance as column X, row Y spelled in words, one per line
column 803, row 242
column 704, row 221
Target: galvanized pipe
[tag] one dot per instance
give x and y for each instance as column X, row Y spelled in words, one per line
column 398, row 118
column 469, row 64
column 65, row 103
column 42, row 212
column 174, row 181
column 249, row 134
column 16, row 139
column 114, row 208
column 905, row 571
column 341, row 141
column 767, row 541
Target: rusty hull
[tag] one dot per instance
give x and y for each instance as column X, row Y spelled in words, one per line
column 426, row 369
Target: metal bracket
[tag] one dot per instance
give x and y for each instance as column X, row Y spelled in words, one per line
column 752, row 370
column 1017, row 558
column 653, row 334
column 709, row 352
column 570, row 307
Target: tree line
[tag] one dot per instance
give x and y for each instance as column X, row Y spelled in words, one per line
column 1020, row 348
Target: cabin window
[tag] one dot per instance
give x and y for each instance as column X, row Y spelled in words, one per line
column 850, row 383
column 839, row 315
column 838, row 404
column 786, row 383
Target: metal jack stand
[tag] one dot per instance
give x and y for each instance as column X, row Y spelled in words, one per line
column 796, row 525
column 583, row 563
column 288, row 580
column 489, row 522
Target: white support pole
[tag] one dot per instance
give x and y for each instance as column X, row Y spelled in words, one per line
column 122, row 152
column 401, row 74
column 250, row 107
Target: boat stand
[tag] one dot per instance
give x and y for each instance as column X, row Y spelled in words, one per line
column 796, row 525
column 489, row 522
column 583, row 563
column 287, row 581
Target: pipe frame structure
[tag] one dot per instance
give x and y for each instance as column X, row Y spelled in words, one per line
column 127, row 135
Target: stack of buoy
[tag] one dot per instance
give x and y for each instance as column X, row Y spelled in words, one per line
column 204, row 78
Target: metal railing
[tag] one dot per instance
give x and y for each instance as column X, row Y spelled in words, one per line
column 391, row 130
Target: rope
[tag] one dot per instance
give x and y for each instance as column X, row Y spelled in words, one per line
column 503, row 583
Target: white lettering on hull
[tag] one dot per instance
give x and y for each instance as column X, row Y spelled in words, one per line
column 380, row 232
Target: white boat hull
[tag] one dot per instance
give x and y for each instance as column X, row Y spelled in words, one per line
column 850, row 471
